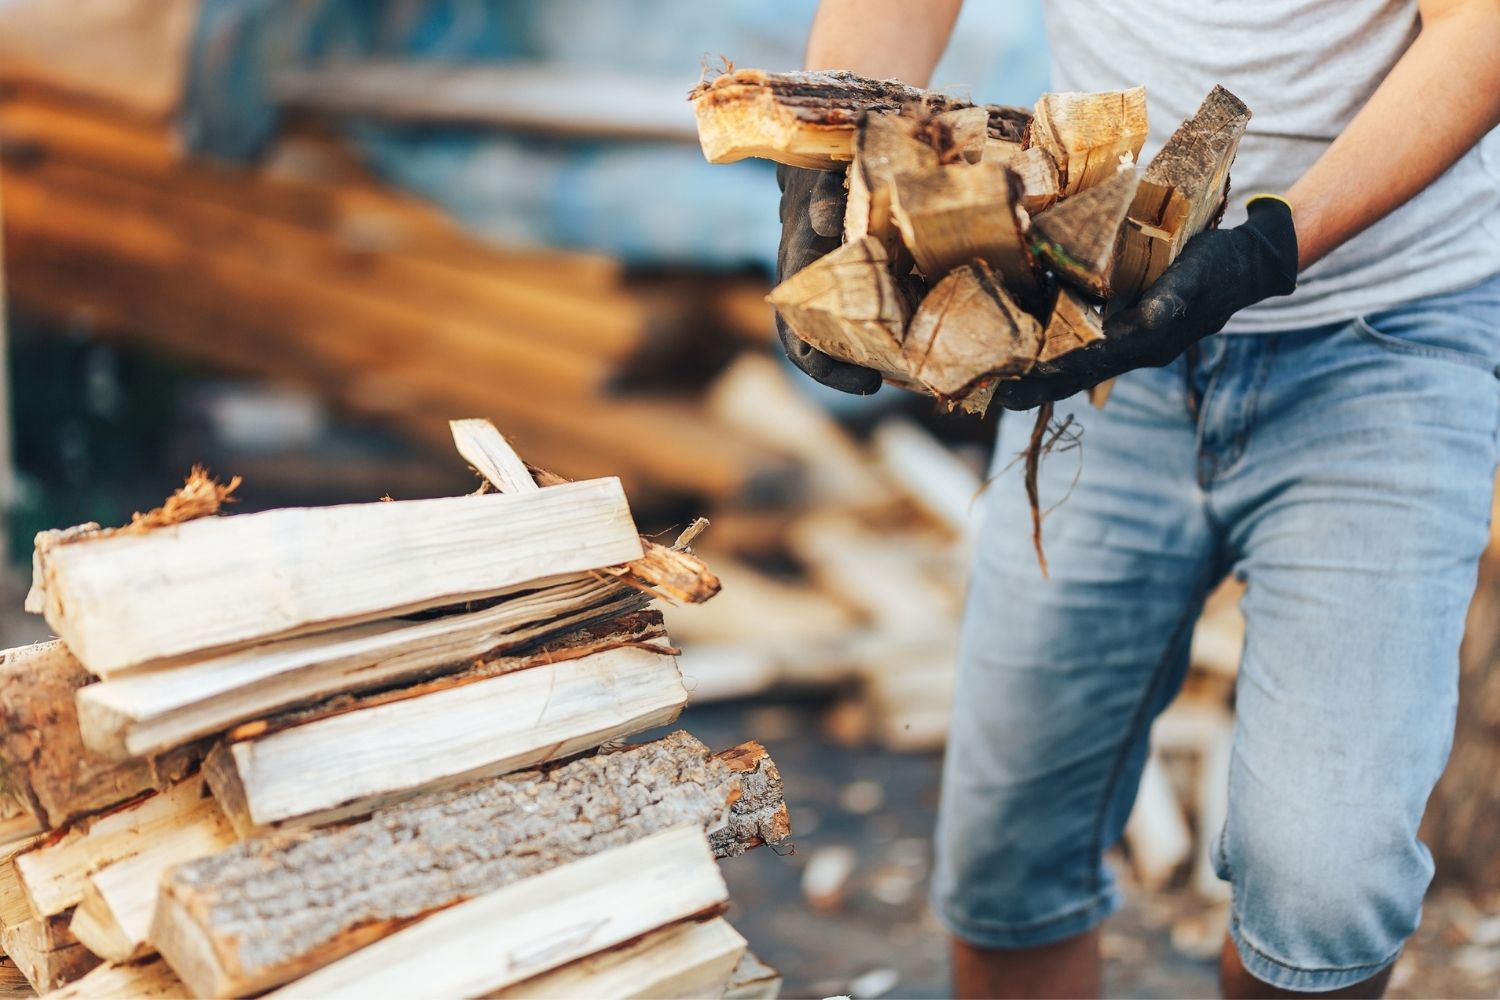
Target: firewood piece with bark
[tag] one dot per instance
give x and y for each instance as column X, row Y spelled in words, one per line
column 1039, row 184
column 46, row 952
column 885, row 145
column 350, row 763
column 1182, row 192
column 847, row 305
column 948, row 216
column 270, row 909
column 759, row 816
column 808, row 119
column 1074, row 323
column 498, row 939
column 967, row 328
column 1086, row 134
column 149, row 980
column 1079, row 237
column 42, row 756
column 122, row 599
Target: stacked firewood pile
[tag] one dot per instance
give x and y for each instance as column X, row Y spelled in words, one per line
column 960, row 217
column 371, row 749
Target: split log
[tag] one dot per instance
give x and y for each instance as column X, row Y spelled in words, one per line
column 1074, row 323
column 685, row 960
column 1182, row 192
column 148, row 710
column 929, row 473
column 885, row 146
column 504, row 937
column 759, row 815
column 969, row 327
column 1039, row 183
column 350, row 763
column 847, row 305
column 483, row 446
column 949, row 216
column 46, row 952
column 42, row 755
column 1079, row 237
column 53, row 875
column 808, row 119
column 120, row 599
column 270, row 909
column 753, row 979
column 113, row 917
column 150, row 980
column 1090, row 135
column 15, row 908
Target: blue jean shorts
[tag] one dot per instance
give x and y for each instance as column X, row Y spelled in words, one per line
column 1346, row 474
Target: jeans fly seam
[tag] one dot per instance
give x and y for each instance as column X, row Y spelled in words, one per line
column 1247, row 410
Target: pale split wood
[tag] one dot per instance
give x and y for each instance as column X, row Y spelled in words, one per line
column 685, row 960
column 1182, row 191
column 935, row 478
column 350, row 763
column 969, row 327
column 15, row 907
column 753, row 979
column 847, row 305
column 1079, row 237
column 1086, row 134
column 885, row 146
column 1074, row 323
column 46, row 952
column 53, row 875
column 148, row 980
column 1039, row 184
column 951, row 215
column 124, row 600
column 276, row 907
column 483, row 446
column 504, row 937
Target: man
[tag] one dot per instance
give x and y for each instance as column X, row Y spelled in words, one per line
column 1335, row 447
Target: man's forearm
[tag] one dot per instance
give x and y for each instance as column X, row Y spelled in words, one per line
column 1438, row 100
column 882, row 39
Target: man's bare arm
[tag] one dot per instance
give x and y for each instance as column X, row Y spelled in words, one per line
column 882, row 39
column 1439, row 99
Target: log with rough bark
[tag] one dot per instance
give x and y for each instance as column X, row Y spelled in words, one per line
column 270, row 909
column 885, row 146
column 847, row 305
column 149, row 980
column 759, row 815
column 533, row 926
column 53, row 875
column 951, row 215
column 46, row 952
column 808, row 119
column 685, row 960
column 1074, row 323
column 1182, row 191
column 42, row 756
column 1078, row 238
column 123, row 598
column 350, row 763
column 969, row 327
column 1089, row 135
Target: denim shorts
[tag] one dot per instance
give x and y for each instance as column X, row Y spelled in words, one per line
column 1345, row 473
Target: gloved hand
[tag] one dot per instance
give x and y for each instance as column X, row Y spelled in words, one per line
column 1218, row 273
column 812, row 224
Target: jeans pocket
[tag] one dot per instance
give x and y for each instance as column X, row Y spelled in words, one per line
column 1456, row 339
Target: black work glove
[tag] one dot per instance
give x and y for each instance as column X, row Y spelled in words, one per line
column 1219, row 272
column 812, row 224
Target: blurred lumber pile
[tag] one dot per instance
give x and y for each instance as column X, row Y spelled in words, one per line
column 370, row 748
column 308, row 271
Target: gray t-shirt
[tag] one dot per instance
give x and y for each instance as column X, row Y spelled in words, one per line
column 1305, row 67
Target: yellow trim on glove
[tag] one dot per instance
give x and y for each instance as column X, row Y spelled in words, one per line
column 1272, row 197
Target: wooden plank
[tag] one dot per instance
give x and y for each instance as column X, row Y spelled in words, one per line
column 113, row 917
column 45, row 952
column 149, row 980
column 532, row 97
column 124, row 599
column 847, row 305
column 808, row 119
column 53, row 875
column 42, row 756
column 270, row 909
column 685, row 960
column 146, row 711
column 948, row 216
column 1078, row 238
column 967, row 328
column 350, row 763
column 483, row 446
column 1089, row 135
column 504, row 937
column 1182, row 191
